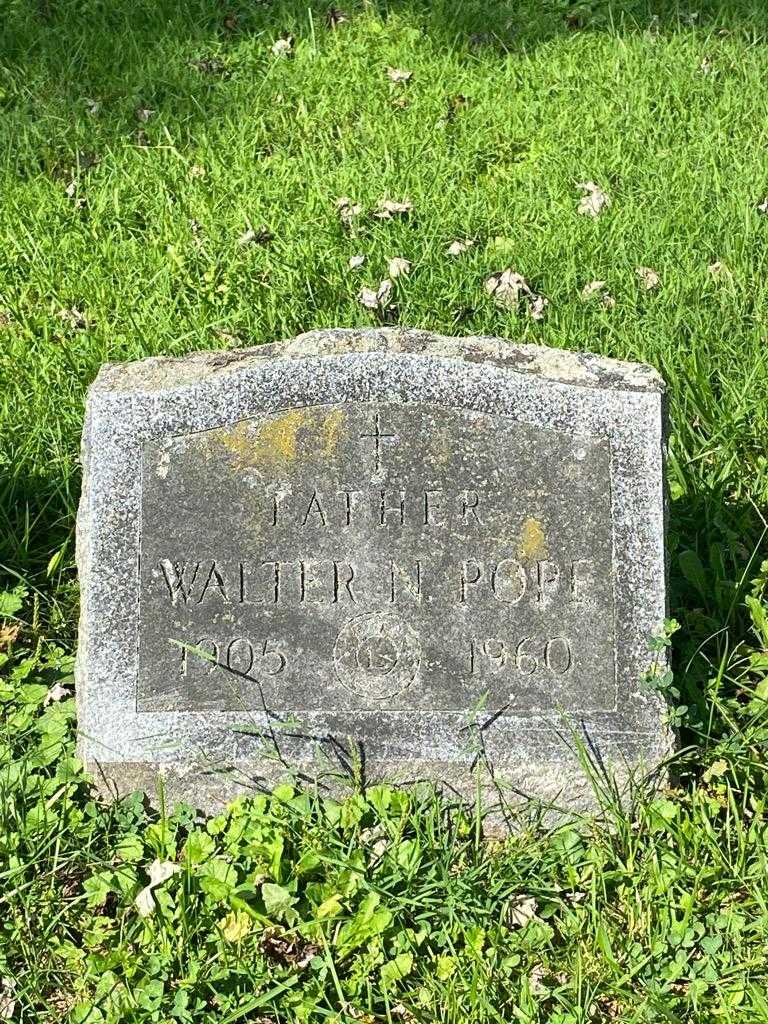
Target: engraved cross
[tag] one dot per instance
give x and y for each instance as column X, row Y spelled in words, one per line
column 378, row 437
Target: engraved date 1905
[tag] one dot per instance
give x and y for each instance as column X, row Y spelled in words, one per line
column 239, row 655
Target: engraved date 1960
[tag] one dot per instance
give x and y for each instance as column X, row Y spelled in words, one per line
column 525, row 656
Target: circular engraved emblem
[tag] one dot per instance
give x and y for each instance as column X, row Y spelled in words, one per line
column 377, row 655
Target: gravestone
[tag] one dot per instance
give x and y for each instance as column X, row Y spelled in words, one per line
column 372, row 551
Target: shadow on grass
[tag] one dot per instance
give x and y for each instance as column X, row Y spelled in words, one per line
column 87, row 48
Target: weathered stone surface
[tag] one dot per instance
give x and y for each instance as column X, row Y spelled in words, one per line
column 346, row 549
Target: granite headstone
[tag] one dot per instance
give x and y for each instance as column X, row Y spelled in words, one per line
column 373, row 550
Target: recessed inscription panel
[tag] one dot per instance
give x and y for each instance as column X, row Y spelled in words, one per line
column 374, row 556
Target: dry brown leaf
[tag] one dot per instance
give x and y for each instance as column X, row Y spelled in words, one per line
column 8, row 633
column 348, row 210
column 7, row 1000
column 593, row 288
column 289, row 952
column 399, row 266
column 399, row 75
column 355, row 262
column 208, row 65
column 159, row 871
column 367, row 297
column 521, row 911
column 56, row 693
column 536, row 980
column 401, row 1012
column 648, row 277
column 594, row 200
column 334, row 17
column 283, row 47
column 537, row 306
column 73, row 318
column 386, row 209
column 260, row 236
column 598, row 289
column 458, row 247
column 508, row 289
column 376, row 299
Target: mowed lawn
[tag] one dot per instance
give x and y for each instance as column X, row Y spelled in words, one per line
column 208, row 175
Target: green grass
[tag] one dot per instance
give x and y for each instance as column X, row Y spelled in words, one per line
column 654, row 914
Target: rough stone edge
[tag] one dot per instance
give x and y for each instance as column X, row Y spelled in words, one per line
column 576, row 368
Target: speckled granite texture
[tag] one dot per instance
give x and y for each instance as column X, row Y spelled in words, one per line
column 495, row 557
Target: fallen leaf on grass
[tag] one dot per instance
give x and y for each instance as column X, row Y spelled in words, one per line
column 289, row 952
column 334, row 17
column 598, row 289
column 648, row 277
column 283, row 47
column 399, row 75
column 376, row 299
column 262, row 236
column 521, row 911
column 458, row 247
column 537, row 307
column 71, row 193
column 143, row 114
column 594, row 200
column 8, row 633
column 536, row 980
column 7, row 1001
column 508, row 289
column 355, row 262
column 348, row 210
column 56, row 693
column 398, row 266
column 208, row 65
column 73, row 318
column 159, row 871
column 386, row 209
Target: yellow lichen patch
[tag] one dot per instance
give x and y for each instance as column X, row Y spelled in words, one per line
column 533, row 543
column 276, row 439
column 331, row 430
column 238, row 442
column 282, row 439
